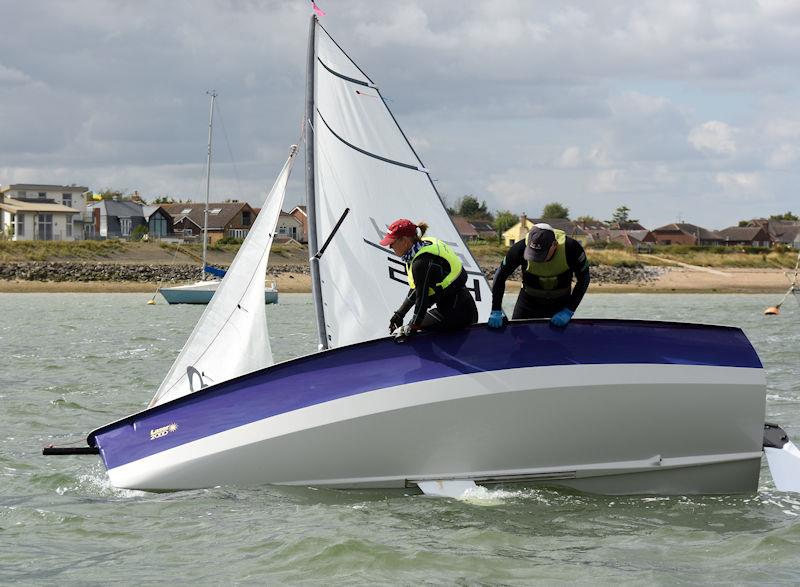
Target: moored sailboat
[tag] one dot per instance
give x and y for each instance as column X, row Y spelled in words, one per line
column 202, row 291
column 607, row 406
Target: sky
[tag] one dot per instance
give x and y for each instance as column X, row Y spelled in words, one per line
column 680, row 110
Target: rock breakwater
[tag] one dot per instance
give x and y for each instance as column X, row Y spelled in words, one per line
column 68, row 271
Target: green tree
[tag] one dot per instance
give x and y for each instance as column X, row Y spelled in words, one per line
column 469, row 207
column 503, row 220
column 588, row 221
column 621, row 214
column 164, row 200
column 784, row 216
column 555, row 210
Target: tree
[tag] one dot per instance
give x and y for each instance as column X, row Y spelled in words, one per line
column 785, row 216
column 555, row 210
column 469, row 207
column 744, row 223
column 164, row 200
column 621, row 215
column 588, row 221
column 503, row 220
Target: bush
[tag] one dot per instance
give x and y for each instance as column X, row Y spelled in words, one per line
column 139, row 232
column 230, row 240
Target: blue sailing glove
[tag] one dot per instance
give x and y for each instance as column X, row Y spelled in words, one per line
column 562, row 318
column 496, row 319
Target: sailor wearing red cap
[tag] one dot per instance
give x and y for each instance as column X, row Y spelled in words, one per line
column 549, row 259
column 436, row 277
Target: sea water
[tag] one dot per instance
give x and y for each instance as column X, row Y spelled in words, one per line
column 72, row 362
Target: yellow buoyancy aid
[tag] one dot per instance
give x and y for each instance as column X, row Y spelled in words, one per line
column 549, row 273
column 439, row 248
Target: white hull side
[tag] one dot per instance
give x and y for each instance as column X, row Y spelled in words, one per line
column 606, row 428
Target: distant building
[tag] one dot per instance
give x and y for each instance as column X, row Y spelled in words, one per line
column 290, row 226
column 750, row 236
column 41, row 212
column 113, row 219
column 465, row 230
column 301, row 214
column 686, row 234
column 520, row 230
column 159, row 222
column 228, row 219
column 485, row 229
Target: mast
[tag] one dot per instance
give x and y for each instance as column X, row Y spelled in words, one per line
column 213, row 94
column 316, row 286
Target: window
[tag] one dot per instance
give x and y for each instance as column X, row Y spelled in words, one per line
column 18, row 220
column 186, row 211
column 281, row 230
column 246, row 218
column 125, row 226
column 215, row 211
column 69, row 227
column 43, row 227
column 66, row 199
column 42, row 195
column 158, row 225
column 21, row 194
column 238, row 232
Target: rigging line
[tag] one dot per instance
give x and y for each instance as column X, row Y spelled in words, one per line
column 373, row 155
column 230, row 152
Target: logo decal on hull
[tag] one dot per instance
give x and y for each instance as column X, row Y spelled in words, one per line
column 163, row 431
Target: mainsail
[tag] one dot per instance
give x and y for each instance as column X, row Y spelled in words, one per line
column 362, row 160
column 231, row 337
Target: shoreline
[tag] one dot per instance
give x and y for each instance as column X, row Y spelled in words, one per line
column 674, row 280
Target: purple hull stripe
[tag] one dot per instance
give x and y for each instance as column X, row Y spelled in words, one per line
column 372, row 365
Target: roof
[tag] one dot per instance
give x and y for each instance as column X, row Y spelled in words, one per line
column 482, row 225
column 302, row 209
column 690, row 229
column 17, row 206
column 123, row 209
column 744, row 233
column 219, row 215
column 44, row 187
column 463, row 226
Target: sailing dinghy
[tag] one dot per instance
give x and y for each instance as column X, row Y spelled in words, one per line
column 605, row 406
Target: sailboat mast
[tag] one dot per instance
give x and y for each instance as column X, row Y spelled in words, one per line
column 213, row 94
column 310, row 188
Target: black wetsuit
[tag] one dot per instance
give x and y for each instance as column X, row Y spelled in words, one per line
column 530, row 306
column 455, row 307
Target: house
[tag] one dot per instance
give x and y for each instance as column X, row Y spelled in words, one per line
column 289, row 225
column 485, row 229
column 25, row 220
column 159, row 222
column 113, row 219
column 520, row 230
column 631, row 238
column 464, row 228
column 42, row 211
column 228, row 219
column 682, row 233
column 785, row 232
column 301, row 213
column 749, row 236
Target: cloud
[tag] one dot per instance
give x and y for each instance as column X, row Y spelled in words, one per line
column 714, row 137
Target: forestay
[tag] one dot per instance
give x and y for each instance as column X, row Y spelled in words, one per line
column 363, row 161
column 231, row 337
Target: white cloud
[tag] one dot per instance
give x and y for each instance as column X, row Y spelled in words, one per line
column 742, row 182
column 784, row 156
column 714, row 137
column 570, row 158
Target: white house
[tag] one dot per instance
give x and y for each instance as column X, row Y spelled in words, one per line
column 41, row 212
column 290, row 226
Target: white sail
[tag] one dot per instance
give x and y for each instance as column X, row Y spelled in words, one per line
column 231, row 337
column 364, row 162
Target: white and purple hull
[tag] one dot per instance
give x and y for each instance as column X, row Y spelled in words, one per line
column 605, row 406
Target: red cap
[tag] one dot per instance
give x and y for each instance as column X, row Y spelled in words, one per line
column 398, row 228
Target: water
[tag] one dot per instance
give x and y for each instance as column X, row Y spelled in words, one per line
column 71, row 362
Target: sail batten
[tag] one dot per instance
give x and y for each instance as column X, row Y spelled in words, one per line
column 362, row 160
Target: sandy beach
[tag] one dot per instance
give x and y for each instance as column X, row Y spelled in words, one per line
column 672, row 280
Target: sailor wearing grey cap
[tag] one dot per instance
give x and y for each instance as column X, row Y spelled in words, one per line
column 549, row 260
